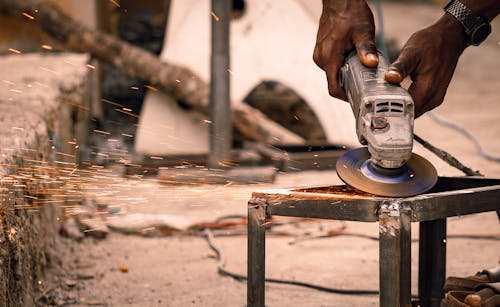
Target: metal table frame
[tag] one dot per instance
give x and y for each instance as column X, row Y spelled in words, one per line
column 452, row 196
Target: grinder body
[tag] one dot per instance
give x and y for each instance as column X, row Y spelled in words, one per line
column 384, row 112
column 384, row 116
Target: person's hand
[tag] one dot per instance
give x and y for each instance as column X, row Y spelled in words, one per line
column 429, row 57
column 344, row 25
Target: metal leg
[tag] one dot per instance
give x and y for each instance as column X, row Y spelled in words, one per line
column 256, row 256
column 431, row 262
column 220, row 101
column 395, row 255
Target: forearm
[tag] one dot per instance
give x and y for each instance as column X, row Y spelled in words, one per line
column 488, row 9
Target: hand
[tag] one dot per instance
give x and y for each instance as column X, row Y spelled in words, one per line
column 429, row 57
column 344, row 25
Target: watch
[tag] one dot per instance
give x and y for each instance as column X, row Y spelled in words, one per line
column 476, row 27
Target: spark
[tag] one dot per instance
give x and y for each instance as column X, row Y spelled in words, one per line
column 127, row 135
column 49, row 70
column 156, row 158
column 128, row 113
column 12, row 233
column 207, row 121
column 127, row 109
column 65, row 154
column 215, row 16
column 68, row 62
column 115, row 3
column 14, row 50
column 90, row 66
column 28, row 16
column 230, row 71
column 15, row 91
column 47, row 47
column 150, row 87
column 102, row 132
column 112, row 102
column 17, row 128
column 134, row 88
column 177, row 80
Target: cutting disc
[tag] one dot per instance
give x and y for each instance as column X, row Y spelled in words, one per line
column 356, row 169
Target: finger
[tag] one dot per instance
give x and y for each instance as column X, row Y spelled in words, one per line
column 316, row 56
column 322, row 53
column 433, row 102
column 404, row 65
column 365, row 47
column 332, row 76
column 422, row 94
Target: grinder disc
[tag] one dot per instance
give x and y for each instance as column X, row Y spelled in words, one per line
column 415, row 177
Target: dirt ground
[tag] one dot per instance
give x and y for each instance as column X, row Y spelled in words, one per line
column 181, row 271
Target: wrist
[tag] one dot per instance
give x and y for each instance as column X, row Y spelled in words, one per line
column 476, row 27
column 453, row 30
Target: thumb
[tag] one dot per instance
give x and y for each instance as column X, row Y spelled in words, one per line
column 366, row 48
column 404, row 65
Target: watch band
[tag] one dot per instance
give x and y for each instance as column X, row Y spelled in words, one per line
column 461, row 12
column 476, row 27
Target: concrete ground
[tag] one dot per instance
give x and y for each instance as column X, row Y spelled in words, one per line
column 181, row 271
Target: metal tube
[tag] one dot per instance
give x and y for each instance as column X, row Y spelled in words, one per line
column 395, row 255
column 256, row 262
column 221, row 128
column 432, row 262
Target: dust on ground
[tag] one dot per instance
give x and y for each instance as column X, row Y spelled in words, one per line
column 181, row 270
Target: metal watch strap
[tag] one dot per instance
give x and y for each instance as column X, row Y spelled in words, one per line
column 469, row 20
column 462, row 13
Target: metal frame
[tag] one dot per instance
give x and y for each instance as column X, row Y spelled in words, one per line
column 452, row 196
column 221, row 139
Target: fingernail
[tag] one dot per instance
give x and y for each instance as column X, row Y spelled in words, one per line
column 392, row 75
column 371, row 59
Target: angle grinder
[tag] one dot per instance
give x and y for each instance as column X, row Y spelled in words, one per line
column 384, row 115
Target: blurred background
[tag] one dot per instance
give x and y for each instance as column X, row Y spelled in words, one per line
column 128, row 124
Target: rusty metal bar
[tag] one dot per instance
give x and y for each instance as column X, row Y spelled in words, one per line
column 436, row 206
column 220, row 102
column 432, row 262
column 450, row 197
column 345, row 209
column 256, row 264
column 472, row 195
column 395, row 255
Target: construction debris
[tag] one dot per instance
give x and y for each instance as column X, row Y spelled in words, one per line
column 176, row 80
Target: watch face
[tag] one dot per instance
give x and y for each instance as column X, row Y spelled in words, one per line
column 480, row 33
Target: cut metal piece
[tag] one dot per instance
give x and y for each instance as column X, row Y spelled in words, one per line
column 415, row 177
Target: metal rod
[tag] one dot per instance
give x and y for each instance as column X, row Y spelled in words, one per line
column 256, row 256
column 395, row 255
column 432, row 262
column 220, row 129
